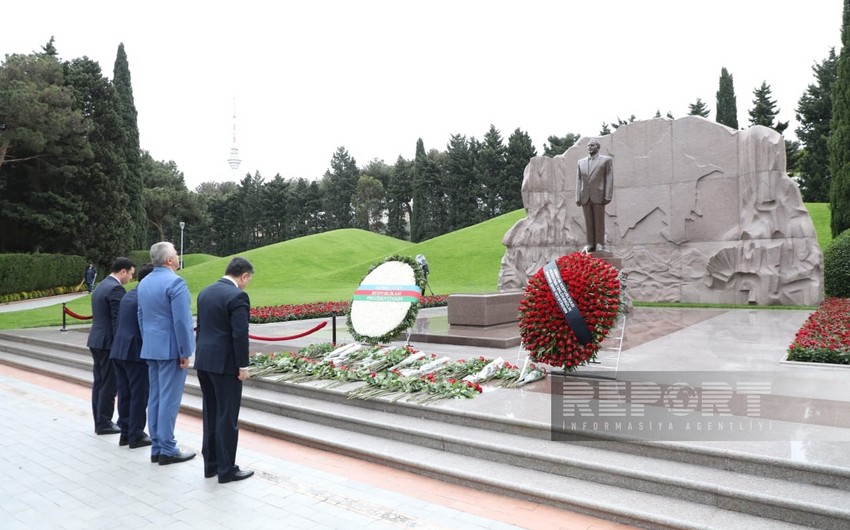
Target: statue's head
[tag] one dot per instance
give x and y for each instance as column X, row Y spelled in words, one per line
column 593, row 146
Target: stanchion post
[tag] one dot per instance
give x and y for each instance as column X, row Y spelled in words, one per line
column 63, row 318
column 333, row 338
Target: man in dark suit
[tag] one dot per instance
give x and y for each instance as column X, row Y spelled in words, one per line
column 221, row 360
column 131, row 372
column 104, row 306
column 594, row 189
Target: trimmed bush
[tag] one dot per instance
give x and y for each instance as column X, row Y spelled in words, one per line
column 28, row 273
column 836, row 267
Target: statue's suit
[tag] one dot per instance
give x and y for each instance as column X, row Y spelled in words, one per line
column 594, row 189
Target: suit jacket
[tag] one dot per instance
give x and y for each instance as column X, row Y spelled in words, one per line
column 165, row 316
column 223, row 312
column 595, row 180
column 105, row 300
column 127, row 343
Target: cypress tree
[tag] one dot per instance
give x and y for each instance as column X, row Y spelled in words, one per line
column 839, row 137
column 419, row 207
column 133, row 183
column 727, row 108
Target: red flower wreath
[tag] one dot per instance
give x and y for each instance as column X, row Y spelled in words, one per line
column 594, row 286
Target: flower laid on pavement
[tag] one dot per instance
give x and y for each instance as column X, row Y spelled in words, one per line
column 423, row 378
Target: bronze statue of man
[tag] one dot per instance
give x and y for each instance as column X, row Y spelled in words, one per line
column 594, row 188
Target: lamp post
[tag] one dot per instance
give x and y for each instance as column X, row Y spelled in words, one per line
column 182, row 226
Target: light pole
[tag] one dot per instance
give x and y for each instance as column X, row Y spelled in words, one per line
column 182, row 226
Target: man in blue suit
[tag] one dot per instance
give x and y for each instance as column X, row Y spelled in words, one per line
column 165, row 320
column 131, row 372
column 104, row 306
column 222, row 364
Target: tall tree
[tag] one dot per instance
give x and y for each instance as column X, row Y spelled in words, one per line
column 839, row 137
column 100, row 182
column 698, row 108
column 558, row 145
column 814, row 112
column 168, row 201
column 133, row 184
column 340, row 182
column 398, row 199
column 764, row 109
column 369, row 204
column 490, row 167
column 520, row 151
column 727, row 107
column 42, row 142
column 463, row 187
column 419, row 207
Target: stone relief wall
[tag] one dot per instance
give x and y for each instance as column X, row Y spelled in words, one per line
column 701, row 213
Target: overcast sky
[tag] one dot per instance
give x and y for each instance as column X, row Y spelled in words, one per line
column 374, row 76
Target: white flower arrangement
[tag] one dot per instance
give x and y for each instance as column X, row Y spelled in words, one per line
column 387, row 300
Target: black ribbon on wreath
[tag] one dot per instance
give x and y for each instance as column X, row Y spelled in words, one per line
column 568, row 306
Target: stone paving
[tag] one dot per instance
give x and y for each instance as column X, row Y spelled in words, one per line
column 58, row 474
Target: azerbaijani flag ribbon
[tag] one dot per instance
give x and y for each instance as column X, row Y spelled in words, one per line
column 388, row 293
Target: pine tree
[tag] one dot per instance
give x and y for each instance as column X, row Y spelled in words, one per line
column 490, row 166
column 839, row 137
column 814, row 112
column 463, row 187
column 727, row 108
column 133, row 184
column 764, row 109
column 340, row 182
column 698, row 108
column 558, row 145
column 520, row 151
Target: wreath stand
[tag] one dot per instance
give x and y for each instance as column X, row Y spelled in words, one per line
column 610, row 354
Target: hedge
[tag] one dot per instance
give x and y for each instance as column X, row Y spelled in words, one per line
column 27, row 273
column 836, row 267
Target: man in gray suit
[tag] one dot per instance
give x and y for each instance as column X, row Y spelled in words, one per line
column 594, row 189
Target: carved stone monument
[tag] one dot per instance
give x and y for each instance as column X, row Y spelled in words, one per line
column 701, row 213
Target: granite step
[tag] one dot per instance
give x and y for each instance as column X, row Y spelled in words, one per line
column 642, row 469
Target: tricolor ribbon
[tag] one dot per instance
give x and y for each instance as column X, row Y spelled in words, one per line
column 568, row 306
column 388, row 293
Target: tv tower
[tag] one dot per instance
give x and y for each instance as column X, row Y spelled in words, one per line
column 234, row 159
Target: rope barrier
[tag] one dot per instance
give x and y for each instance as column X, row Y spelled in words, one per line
column 66, row 311
column 291, row 337
column 75, row 315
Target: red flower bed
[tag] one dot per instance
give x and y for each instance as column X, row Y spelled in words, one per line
column 825, row 336
column 281, row 313
column 594, row 286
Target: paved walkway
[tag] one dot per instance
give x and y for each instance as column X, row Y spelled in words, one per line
column 58, row 474
column 40, row 302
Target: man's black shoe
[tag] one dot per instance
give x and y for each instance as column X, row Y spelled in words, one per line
column 154, row 458
column 144, row 441
column 181, row 456
column 241, row 474
column 112, row 429
column 123, row 441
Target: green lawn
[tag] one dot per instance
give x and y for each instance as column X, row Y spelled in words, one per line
column 329, row 266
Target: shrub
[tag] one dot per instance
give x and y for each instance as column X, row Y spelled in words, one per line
column 836, row 267
column 24, row 273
